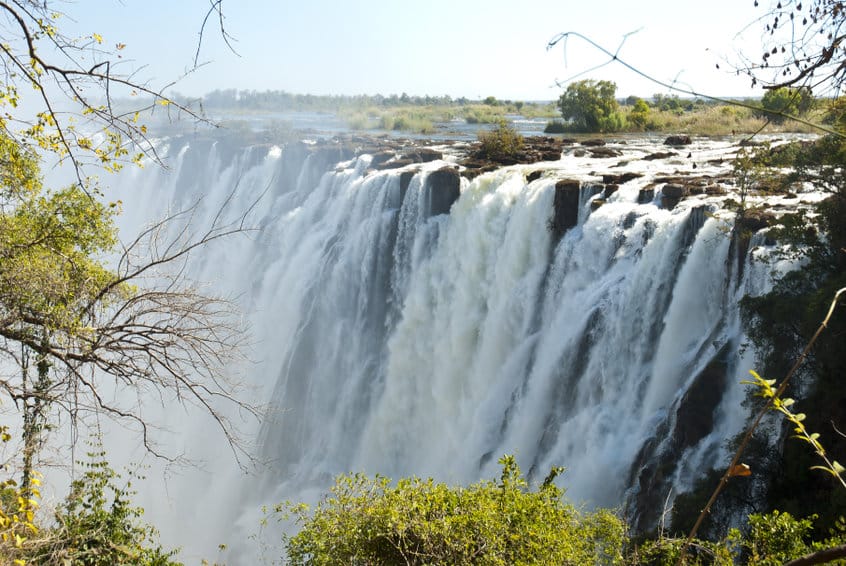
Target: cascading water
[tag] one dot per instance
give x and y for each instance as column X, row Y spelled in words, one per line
column 392, row 338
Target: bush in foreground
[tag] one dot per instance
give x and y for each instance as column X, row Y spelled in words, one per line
column 96, row 525
column 369, row 521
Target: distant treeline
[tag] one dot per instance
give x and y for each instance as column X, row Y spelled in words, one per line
column 279, row 100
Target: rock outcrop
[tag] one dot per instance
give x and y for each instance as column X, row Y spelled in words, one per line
column 565, row 207
column 678, row 140
column 444, row 188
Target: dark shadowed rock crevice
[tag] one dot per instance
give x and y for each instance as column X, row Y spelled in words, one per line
column 444, row 187
column 565, row 206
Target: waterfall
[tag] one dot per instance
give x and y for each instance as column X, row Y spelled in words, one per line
column 392, row 337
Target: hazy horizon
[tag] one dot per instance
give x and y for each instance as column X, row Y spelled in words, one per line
column 469, row 49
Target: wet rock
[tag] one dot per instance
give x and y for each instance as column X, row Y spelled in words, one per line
column 645, row 196
column 533, row 176
column 331, row 154
column 655, row 466
column 593, row 143
column 754, row 220
column 660, row 155
column 471, row 174
column 535, row 149
column 678, row 140
column 381, row 158
column 395, row 164
column 671, row 194
column 565, row 207
column 423, row 154
column 673, row 190
column 444, row 189
column 603, row 152
column 609, row 190
column 596, row 203
column 621, row 178
column 695, row 415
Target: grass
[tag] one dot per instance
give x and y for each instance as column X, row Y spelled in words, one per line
column 706, row 120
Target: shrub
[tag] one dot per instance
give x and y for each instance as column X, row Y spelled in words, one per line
column 358, row 121
column 97, row 525
column 483, row 114
column 555, row 127
column 639, row 114
column 501, row 142
column 369, row 521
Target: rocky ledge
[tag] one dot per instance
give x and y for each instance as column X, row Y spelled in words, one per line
column 467, row 160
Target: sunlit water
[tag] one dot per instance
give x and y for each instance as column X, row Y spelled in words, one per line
column 388, row 340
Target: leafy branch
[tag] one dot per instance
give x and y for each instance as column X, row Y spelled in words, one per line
column 767, row 391
column 36, row 55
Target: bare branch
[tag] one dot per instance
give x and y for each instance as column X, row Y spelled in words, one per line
column 149, row 329
column 88, row 77
column 215, row 8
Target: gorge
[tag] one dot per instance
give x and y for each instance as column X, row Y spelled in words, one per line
column 416, row 311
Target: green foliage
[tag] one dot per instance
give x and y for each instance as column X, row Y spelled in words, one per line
column 500, row 143
column 835, row 114
column 369, row 521
column 97, row 525
column 412, row 122
column 639, row 114
column 769, row 539
column 591, row 106
column 487, row 114
column 17, row 514
column 49, row 242
column 666, row 551
column 555, row 127
column 775, row 538
column 781, row 103
column 767, row 391
column 665, row 103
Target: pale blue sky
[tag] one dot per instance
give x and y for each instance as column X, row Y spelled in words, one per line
column 458, row 47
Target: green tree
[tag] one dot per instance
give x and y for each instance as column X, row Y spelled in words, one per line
column 591, row 106
column 780, row 103
column 88, row 325
column 416, row 522
column 63, row 306
column 73, row 324
column 639, row 114
column 50, row 70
